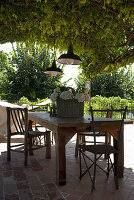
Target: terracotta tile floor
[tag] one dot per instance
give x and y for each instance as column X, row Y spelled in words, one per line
column 37, row 180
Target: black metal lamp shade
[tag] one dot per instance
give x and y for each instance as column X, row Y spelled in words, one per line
column 54, row 71
column 70, row 58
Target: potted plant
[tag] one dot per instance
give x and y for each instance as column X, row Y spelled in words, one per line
column 70, row 103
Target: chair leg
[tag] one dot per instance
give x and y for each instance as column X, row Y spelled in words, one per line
column 30, row 146
column 8, row 148
column 36, row 129
column 106, row 142
column 25, row 157
column 108, row 166
column 76, row 146
column 52, row 136
column 80, row 164
column 94, row 174
column 109, row 138
column 25, row 152
column 116, row 172
column 83, row 155
column 83, row 139
column 44, row 139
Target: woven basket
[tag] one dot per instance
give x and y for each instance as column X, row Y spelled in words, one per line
column 70, row 108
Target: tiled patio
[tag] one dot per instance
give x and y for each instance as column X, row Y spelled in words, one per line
column 37, row 180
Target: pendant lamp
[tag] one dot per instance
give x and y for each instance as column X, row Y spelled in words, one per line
column 54, row 71
column 70, row 58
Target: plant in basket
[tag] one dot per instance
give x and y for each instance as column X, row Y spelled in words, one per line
column 67, row 93
column 70, row 103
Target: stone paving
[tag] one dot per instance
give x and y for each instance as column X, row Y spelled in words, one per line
column 37, row 180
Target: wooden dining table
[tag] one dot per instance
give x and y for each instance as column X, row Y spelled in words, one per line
column 65, row 128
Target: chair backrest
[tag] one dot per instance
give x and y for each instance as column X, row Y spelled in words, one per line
column 18, row 117
column 109, row 114
column 118, row 113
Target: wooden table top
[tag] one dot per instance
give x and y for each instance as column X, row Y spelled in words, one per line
column 70, row 122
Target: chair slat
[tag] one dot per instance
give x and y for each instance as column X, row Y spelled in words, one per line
column 21, row 120
column 13, row 119
column 17, row 119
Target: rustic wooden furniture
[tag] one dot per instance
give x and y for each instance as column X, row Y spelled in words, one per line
column 42, row 107
column 19, row 117
column 96, row 150
column 65, row 128
column 81, row 136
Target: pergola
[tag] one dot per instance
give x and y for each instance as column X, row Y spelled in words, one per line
column 101, row 31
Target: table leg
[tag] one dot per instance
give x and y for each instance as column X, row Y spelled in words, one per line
column 60, row 159
column 121, row 155
column 30, row 125
column 48, row 145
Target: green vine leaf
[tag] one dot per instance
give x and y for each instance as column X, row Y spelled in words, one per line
column 102, row 31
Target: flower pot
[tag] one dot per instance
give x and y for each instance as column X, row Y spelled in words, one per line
column 70, row 108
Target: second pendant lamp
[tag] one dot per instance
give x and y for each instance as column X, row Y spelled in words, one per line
column 54, row 71
column 70, row 58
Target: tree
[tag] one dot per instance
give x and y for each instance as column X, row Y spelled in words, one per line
column 24, row 74
column 119, row 83
column 100, row 30
column 6, row 72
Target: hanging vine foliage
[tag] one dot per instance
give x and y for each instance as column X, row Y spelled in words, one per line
column 102, row 31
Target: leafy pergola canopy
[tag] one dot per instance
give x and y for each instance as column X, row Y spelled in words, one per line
column 101, row 31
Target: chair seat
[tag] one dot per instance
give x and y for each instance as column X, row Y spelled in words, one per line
column 36, row 133
column 18, row 133
column 99, row 149
column 81, row 134
column 91, row 133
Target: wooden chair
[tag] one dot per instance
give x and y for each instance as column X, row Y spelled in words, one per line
column 41, row 108
column 19, row 118
column 81, row 136
column 97, row 150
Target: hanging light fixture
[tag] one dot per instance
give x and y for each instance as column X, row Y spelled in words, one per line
column 54, row 71
column 70, row 58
